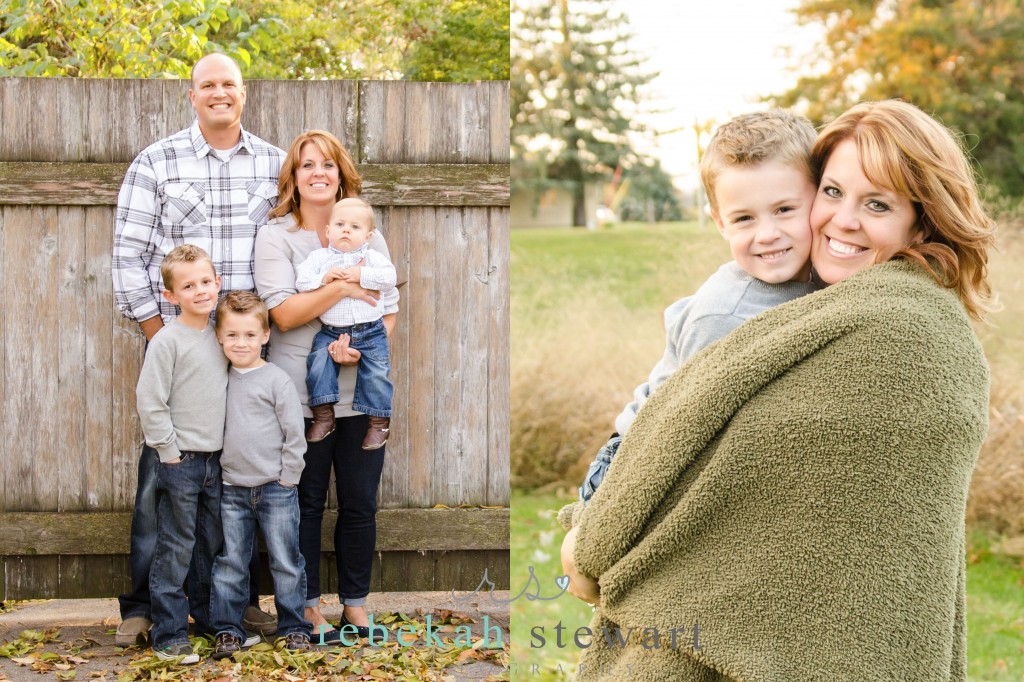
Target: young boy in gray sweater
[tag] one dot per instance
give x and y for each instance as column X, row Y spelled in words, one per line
column 760, row 185
column 180, row 396
column 262, row 462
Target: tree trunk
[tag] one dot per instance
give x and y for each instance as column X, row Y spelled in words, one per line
column 579, row 205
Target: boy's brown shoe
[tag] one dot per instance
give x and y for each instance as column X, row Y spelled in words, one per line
column 377, row 434
column 323, row 423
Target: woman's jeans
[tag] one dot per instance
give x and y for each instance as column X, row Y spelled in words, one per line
column 275, row 509
column 374, row 390
column 188, row 518
column 136, row 603
column 357, row 476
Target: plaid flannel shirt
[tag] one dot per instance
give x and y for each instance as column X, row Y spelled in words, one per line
column 177, row 191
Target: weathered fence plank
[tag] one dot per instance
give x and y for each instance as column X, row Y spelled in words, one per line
column 421, row 319
column 97, row 184
column 69, row 345
column 90, row 533
column 498, row 352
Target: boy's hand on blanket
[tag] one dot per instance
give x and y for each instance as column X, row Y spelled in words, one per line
column 342, row 353
column 580, row 586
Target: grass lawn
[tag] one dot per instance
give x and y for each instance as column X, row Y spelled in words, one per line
column 586, row 328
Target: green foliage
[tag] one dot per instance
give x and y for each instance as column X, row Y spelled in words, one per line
column 336, row 40
column 274, row 39
column 576, row 84
column 470, row 42
column 651, row 196
column 119, row 40
column 956, row 59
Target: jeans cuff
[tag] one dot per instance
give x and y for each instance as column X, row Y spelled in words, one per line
column 371, row 411
column 312, row 602
column 352, row 601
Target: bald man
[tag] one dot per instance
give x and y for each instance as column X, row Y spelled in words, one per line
column 211, row 185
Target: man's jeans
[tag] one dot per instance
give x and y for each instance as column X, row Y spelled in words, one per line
column 275, row 508
column 143, row 545
column 373, row 387
column 188, row 518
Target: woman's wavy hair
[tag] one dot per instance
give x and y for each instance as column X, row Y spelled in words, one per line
column 906, row 151
column 350, row 182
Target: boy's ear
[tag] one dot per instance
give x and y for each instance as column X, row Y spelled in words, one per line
column 171, row 298
column 718, row 223
column 217, row 277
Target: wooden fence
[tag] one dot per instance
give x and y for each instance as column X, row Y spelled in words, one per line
column 434, row 158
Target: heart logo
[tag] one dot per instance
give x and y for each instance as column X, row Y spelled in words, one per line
column 563, row 582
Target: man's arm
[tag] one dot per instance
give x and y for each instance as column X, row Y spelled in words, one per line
column 136, row 224
column 151, row 326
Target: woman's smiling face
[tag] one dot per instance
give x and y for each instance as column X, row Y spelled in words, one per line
column 855, row 223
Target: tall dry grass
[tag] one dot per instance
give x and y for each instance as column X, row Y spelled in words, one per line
column 577, row 357
column 569, row 383
column 997, row 487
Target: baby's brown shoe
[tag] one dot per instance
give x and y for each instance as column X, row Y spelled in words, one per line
column 377, row 434
column 323, row 423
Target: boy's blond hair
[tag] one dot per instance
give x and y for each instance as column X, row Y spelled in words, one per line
column 355, row 201
column 750, row 139
column 186, row 253
column 243, row 303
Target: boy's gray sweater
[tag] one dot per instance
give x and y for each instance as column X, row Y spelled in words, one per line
column 181, row 389
column 726, row 300
column 264, row 437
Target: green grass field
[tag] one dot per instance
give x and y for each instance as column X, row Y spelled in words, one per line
column 586, row 328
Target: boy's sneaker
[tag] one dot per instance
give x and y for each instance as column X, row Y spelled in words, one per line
column 131, row 630
column 297, row 641
column 173, row 652
column 255, row 620
column 377, row 434
column 228, row 643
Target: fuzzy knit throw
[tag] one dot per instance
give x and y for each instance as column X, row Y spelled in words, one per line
column 795, row 497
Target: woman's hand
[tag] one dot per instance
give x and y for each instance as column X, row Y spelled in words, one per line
column 580, row 586
column 342, row 353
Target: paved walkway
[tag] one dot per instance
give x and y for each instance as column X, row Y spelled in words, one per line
column 85, row 643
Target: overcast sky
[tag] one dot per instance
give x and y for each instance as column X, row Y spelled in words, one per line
column 715, row 58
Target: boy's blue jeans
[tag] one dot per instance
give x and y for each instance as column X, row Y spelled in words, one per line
column 599, row 467
column 275, row 509
column 188, row 517
column 373, row 387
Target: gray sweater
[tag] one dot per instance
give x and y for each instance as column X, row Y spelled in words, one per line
column 264, row 437
column 180, row 395
column 726, row 300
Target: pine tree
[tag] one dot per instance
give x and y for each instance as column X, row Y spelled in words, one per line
column 575, row 86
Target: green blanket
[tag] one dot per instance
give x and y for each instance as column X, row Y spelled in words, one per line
column 797, row 491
